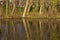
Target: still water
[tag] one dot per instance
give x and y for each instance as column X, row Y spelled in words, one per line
column 30, row 29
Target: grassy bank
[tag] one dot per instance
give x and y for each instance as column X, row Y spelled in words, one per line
column 32, row 15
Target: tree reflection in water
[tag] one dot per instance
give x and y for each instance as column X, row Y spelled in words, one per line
column 48, row 29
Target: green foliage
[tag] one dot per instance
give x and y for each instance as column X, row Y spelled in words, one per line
column 53, row 1
column 58, row 6
column 19, row 9
column 3, row 8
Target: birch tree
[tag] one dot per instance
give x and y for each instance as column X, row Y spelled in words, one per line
column 40, row 12
column 29, row 7
column 24, row 22
column 25, row 10
column 41, row 6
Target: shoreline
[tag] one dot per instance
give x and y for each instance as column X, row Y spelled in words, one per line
column 32, row 15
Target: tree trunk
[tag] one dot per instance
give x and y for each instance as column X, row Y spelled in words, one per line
column 41, row 6
column 13, row 1
column 30, row 4
column 7, row 3
column 25, row 10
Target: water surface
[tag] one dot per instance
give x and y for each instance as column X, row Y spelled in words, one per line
column 30, row 29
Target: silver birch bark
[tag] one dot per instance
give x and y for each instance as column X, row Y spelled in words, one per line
column 25, row 10
column 30, row 4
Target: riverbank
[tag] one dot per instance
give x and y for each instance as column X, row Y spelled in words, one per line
column 32, row 15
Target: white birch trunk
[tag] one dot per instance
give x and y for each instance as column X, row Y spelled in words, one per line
column 30, row 4
column 25, row 10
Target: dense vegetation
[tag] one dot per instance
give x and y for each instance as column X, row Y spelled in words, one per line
column 29, row 6
column 31, row 29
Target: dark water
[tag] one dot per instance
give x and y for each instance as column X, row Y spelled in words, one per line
column 33, row 29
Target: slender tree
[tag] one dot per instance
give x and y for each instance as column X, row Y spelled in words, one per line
column 41, row 6
column 13, row 2
column 25, row 10
column 25, row 25
column 29, row 7
column 40, row 22
column 7, row 3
